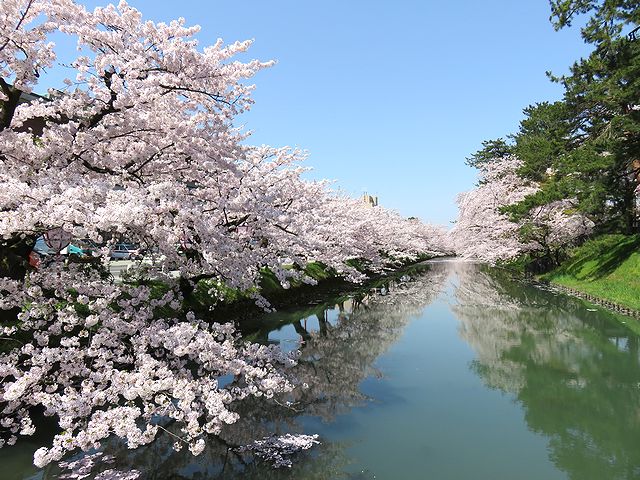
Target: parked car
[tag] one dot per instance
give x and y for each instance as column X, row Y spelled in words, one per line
column 83, row 246
column 42, row 252
column 125, row 251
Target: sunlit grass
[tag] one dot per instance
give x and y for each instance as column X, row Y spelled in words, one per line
column 607, row 267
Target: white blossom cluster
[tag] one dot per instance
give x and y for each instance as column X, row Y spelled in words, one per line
column 557, row 224
column 277, row 450
column 105, row 363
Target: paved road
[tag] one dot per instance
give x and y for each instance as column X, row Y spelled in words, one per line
column 116, row 267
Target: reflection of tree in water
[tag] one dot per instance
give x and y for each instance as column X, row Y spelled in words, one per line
column 334, row 360
column 575, row 372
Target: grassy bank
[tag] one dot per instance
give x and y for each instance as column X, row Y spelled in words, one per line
column 607, row 267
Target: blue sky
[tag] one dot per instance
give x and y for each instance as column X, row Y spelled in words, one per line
column 388, row 96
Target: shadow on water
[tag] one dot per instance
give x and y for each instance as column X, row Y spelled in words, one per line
column 256, row 327
column 574, row 372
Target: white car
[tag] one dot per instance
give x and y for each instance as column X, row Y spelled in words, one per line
column 125, row 251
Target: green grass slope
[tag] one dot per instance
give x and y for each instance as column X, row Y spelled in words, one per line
column 607, row 267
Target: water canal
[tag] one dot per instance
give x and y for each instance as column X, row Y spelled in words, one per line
column 461, row 372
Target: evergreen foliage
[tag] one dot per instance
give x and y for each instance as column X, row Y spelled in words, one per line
column 585, row 148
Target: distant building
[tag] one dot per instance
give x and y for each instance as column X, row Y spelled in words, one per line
column 370, row 200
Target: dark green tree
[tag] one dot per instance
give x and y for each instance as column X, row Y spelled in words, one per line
column 586, row 147
column 602, row 95
column 607, row 22
column 491, row 149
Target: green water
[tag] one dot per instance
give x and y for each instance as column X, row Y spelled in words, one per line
column 460, row 373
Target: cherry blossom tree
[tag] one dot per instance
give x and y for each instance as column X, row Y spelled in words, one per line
column 140, row 144
column 484, row 231
column 336, row 354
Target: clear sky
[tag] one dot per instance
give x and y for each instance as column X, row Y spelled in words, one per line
column 388, row 97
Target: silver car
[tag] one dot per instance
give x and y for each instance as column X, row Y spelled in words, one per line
column 125, row 251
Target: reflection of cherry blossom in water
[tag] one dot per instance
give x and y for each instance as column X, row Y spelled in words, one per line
column 335, row 359
column 84, row 467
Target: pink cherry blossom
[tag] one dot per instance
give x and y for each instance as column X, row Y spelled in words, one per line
column 140, row 144
column 483, row 232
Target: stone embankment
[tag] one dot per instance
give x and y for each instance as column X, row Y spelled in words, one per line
column 599, row 301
